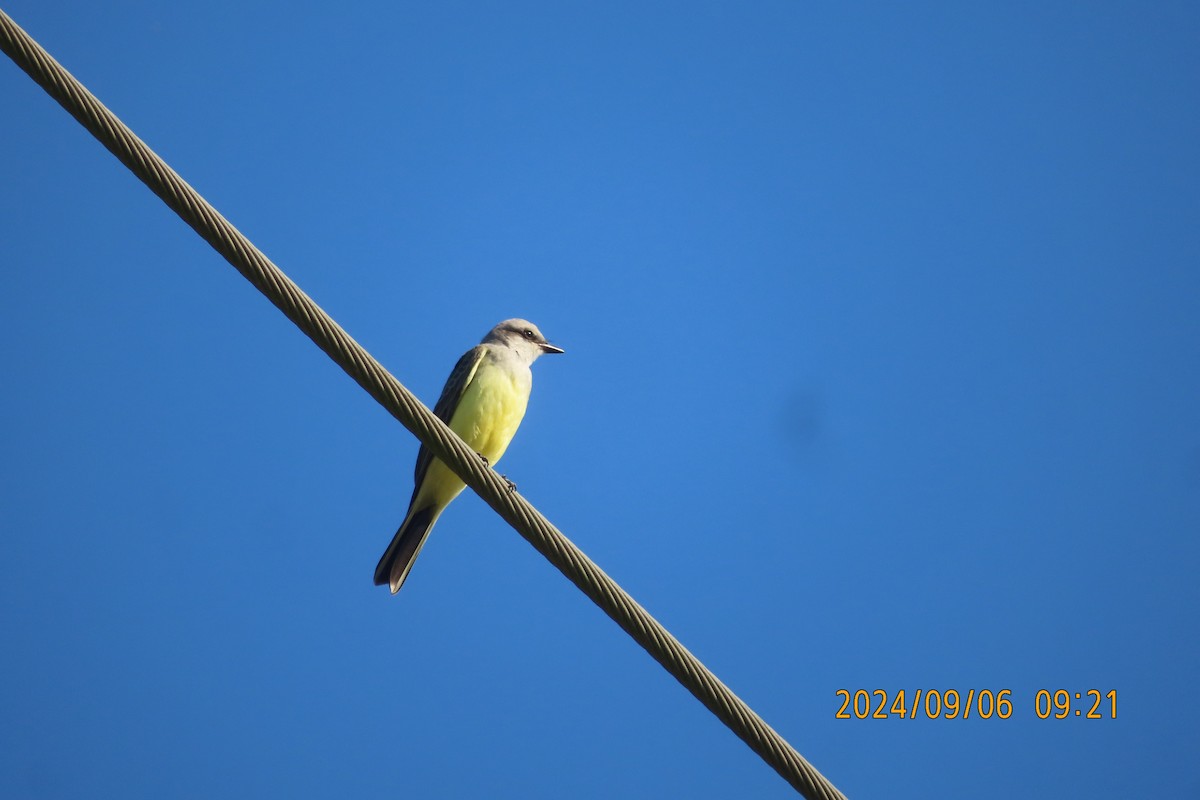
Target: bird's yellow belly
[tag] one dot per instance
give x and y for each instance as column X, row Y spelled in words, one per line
column 490, row 411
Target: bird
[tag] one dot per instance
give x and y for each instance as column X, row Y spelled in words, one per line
column 483, row 401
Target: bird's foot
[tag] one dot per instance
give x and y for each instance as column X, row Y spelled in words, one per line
column 484, row 459
column 512, row 487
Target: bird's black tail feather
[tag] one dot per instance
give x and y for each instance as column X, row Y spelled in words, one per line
column 398, row 559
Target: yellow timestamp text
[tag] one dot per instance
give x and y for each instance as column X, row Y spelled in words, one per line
column 979, row 703
column 1090, row 704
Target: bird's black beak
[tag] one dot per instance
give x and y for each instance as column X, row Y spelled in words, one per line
column 549, row 348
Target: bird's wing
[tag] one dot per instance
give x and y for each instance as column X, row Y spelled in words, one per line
column 456, row 384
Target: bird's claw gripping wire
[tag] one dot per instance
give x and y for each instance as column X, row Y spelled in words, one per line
column 512, row 487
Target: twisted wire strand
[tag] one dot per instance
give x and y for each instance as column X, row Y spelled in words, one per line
column 401, row 404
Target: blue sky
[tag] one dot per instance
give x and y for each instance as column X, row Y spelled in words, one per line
column 883, row 372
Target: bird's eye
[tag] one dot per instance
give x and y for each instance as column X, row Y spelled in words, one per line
column 528, row 333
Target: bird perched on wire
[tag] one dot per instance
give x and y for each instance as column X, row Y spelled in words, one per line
column 483, row 402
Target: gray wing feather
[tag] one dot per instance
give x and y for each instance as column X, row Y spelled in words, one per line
column 456, row 384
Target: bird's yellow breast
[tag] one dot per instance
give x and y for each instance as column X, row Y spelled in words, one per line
column 491, row 409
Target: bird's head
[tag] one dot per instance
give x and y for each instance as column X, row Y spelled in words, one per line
column 521, row 335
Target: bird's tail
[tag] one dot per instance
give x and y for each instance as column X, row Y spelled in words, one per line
column 398, row 559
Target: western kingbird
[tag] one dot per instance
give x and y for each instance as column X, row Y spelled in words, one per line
column 483, row 402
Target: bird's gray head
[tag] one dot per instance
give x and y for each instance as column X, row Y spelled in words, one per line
column 522, row 336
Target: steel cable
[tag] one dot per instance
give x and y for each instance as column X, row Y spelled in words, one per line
column 411, row 413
